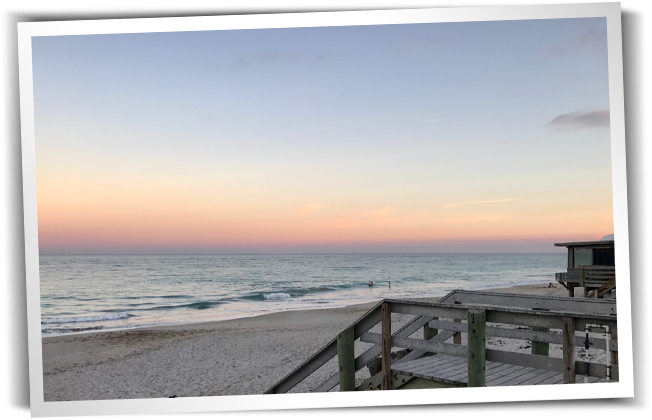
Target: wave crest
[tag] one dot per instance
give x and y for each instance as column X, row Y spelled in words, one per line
column 89, row 318
column 276, row 296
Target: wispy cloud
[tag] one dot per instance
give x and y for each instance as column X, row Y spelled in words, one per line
column 472, row 203
column 596, row 35
column 477, row 219
column 379, row 214
column 579, row 120
column 593, row 35
column 365, row 218
column 308, row 209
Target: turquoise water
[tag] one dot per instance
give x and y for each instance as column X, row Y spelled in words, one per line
column 102, row 292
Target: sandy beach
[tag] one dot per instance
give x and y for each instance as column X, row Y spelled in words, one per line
column 235, row 357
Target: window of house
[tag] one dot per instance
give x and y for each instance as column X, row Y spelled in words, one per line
column 582, row 256
column 604, row 257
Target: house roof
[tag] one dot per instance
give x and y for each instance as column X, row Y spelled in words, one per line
column 588, row 244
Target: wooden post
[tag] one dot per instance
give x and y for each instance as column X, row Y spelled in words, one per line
column 539, row 347
column 457, row 338
column 429, row 333
column 568, row 349
column 386, row 361
column 477, row 336
column 614, row 354
column 346, row 360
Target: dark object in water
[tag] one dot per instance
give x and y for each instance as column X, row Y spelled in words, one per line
column 371, row 283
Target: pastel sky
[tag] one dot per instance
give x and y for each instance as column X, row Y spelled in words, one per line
column 442, row 137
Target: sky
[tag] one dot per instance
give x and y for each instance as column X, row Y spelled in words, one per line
column 438, row 137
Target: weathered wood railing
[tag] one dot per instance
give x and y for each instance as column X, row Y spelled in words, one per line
column 437, row 320
column 589, row 277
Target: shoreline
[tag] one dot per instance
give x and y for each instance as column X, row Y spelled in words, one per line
column 184, row 324
column 230, row 357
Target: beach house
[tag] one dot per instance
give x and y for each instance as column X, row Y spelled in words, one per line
column 591, row 265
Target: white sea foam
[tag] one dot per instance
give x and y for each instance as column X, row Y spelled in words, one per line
column 276, row 296
column 92, row 318
column 77, row 292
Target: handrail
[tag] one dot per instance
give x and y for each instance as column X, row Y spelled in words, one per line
column 324, row 354
column 514, row 300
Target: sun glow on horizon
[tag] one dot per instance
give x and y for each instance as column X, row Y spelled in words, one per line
column 342, row 152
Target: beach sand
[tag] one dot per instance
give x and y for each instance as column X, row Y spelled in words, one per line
column 235, row 357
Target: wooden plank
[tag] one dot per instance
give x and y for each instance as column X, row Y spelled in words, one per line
column 497, row 370
column 386, row 320
column 549, row 363
column 432, row 311
column 440, row 338
column 431, row 369
column 546, row 337
column 434, row 366
column 477, row 346
column 458, row 311
column 432, row 346
column 582, row 320
column 427, row 362
column 448, row 371
column 614, row 352
column 461, row 376
column 512, row 300
column 455, row 326
column 556, row 379
column 507, row 379
column 528, row 376
column 453, row 374
column 534, row 380
column 424, row 383
column 346, row 360
column 597, row 370
column 524, row 359
column 568, row 350
column 375, row 382
column 522, row 316
column 366, row 323
column 607, row 287
column 541, row 319
column 508, row 375
column 540, row 348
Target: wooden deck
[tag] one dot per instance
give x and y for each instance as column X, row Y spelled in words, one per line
column 453, row 370
column 434, row 362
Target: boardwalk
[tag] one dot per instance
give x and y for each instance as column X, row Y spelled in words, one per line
column 447, row 344
column 453, row 370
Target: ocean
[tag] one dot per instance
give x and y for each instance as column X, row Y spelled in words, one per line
column 83, row 293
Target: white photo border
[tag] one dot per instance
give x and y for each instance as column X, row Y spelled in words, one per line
column 622, row 389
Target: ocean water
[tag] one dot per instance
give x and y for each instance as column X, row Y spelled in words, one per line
column 81, row 293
